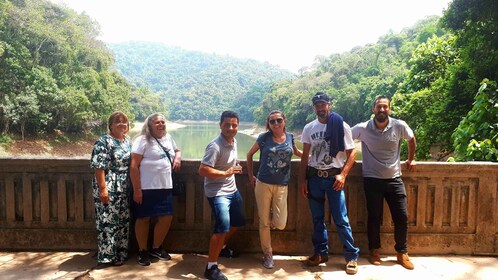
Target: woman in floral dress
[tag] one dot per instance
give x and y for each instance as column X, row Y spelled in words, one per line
column 110, row 160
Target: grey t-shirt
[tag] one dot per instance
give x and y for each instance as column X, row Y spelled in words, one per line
column 381, row 149
column 220, row 155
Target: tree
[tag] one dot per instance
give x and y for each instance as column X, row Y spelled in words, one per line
column 476, row 137
column 475, row 23
column 145, row 103
column 55, row 73
column 430, row 61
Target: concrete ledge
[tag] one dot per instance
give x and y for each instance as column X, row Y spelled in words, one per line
column 47, row 204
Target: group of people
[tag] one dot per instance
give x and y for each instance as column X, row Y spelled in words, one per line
column 327, row 156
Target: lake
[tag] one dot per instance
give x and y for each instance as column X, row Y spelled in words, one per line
column 193, row 138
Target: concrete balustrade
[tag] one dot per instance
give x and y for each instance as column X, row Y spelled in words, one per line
column 47, row 204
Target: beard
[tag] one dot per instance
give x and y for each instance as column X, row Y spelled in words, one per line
column 322, row 113
column 381, row 117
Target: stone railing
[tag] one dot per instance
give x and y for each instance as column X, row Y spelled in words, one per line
column 46, row 204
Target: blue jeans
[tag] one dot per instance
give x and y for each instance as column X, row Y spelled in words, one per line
column 317, row 189
column 228, row 211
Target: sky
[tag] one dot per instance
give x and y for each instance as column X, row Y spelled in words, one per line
column 287, row 33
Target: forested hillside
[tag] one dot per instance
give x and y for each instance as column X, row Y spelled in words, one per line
column 195, row 85
column 355, row 78
column 440, row 73
column 56, row 76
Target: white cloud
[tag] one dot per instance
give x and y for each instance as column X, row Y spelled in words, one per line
column 287, row 33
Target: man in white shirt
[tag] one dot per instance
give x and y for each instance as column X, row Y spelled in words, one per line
column 323, row 174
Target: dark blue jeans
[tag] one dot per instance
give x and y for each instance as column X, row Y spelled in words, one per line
column 317, row 189
column 394, row 192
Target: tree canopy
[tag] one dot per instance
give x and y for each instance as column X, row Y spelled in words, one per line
column 55, row 74
column 431, row 71
column 441, row 74
column 196, row 85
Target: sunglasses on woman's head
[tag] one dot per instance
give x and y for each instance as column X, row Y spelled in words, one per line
column 279, row 120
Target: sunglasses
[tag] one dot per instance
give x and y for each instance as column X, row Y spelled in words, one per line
column 279, row 120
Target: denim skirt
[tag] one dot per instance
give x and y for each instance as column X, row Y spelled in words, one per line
column 155, row 203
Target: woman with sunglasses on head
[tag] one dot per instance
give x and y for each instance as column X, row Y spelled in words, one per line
column 270, row 185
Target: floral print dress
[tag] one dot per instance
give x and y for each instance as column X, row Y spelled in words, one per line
column 112, row 220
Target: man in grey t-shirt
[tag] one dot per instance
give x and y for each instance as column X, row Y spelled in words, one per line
column 219, row 166
column 380, row 143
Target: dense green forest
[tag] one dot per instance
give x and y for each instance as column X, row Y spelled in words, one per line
column 195, row 85
column 56, row 76
column 441, row 74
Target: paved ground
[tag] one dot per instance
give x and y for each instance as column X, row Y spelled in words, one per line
column 82, row 265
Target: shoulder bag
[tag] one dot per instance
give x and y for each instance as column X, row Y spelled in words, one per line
column 178, row 183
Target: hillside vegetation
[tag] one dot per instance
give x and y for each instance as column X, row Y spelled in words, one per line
column 441, row 73
column 196, row 85
column 55, row 75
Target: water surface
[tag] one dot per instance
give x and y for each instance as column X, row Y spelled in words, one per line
column 194, row 137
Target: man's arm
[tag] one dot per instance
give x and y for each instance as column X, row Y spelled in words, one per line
column 303, row 184
column 210, row 172
column 340, row 179
column 410, row 162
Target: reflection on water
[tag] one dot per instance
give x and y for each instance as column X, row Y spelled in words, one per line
column 194, row 137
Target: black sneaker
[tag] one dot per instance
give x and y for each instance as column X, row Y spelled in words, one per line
column 143, row 258
column 214, row 273
column 228, row 253
column 160, row 254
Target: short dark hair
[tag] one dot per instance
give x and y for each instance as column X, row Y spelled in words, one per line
column 229, row 114
column 381, row 97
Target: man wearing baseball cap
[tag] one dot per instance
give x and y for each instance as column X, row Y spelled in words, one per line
column 328, row 155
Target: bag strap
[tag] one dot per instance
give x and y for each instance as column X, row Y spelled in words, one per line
column 165, row 150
